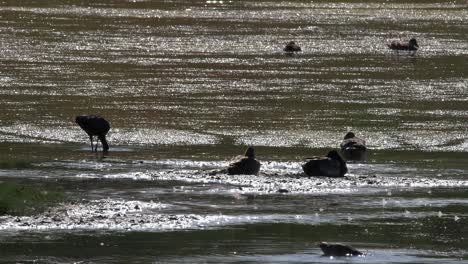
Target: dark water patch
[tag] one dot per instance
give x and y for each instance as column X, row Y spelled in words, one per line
column 20, row 199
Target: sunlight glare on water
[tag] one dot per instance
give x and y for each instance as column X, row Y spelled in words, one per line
column 188, row 85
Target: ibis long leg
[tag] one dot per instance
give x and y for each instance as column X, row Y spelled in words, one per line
column 91, row 139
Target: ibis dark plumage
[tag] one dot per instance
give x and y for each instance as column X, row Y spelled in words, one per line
column 95, row 126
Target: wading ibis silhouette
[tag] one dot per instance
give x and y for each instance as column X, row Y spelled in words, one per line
column 95, row 126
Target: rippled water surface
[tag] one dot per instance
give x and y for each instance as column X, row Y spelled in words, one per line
column 187, row 85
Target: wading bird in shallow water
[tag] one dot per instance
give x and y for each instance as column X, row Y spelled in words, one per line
column 292, row 47
column 353, row 148
column 338, row 250
column 246, row 164
column 95, row 126
column 331, row 165
column 412, row 46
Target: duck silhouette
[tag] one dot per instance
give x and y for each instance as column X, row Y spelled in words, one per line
column 331, row 165
column 292, row 47
column 396, row 45
column 353, row 148
column 95, row 126
column 246, row 164
column 338, row 250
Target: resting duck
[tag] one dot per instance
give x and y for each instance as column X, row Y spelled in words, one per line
column 353, row 148
column 331, row 166
column 246, row 164
column 412, row 45
column 338, row 250
column 292, row 47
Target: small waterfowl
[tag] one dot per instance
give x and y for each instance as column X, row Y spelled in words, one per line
column 95, row 126
column 246, row 164
column 353, row 148
column 331, row 165
column 338, row 250
column 412, row 45
column 292, row 47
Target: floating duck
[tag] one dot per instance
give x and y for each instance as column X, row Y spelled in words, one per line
column 292, row 47
column 353, row 148
column 339, row 250
column 331, row 165
column 396, row 45
column 246, row 164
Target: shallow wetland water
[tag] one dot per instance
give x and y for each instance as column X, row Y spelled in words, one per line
column 187, row 85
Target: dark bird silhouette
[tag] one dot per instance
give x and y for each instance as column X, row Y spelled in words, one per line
column 95, row 126
column 338, row 250
column 246, row 164
column 412, row 45
column 292, row 47
column 353, row 148
column 331, row 165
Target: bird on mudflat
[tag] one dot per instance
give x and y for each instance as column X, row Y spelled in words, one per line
column 246, row 164
column 412, row 45
column 353, row 148
column 95, row 126
column 331, row 165
column 338, row 250
column 292, row 47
